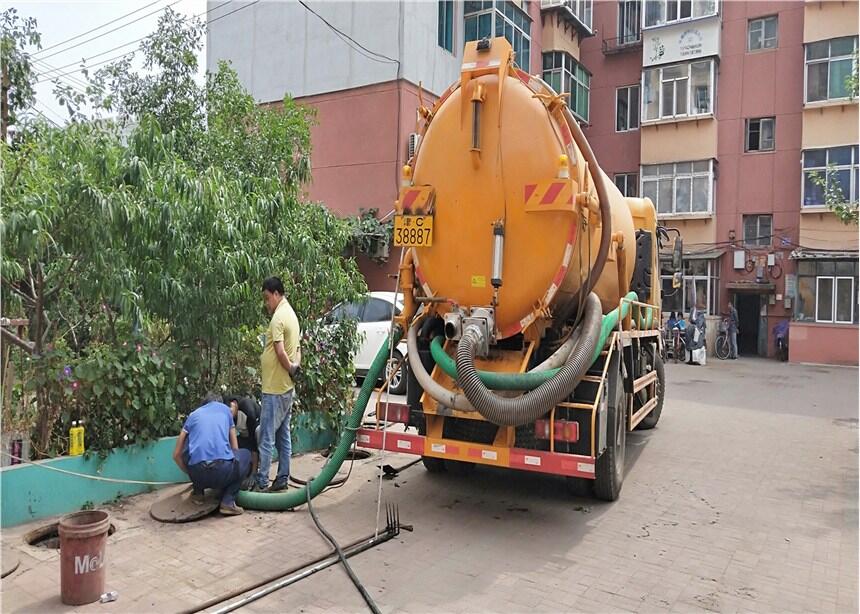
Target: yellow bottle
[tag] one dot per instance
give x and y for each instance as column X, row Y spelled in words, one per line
column 76, row 439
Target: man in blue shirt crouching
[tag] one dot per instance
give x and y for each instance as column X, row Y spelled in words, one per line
column 208, row 451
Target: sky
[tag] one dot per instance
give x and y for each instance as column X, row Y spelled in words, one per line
column 60, row 21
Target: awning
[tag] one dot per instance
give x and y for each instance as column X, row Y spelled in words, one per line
column 802, row 253
column 751, row 286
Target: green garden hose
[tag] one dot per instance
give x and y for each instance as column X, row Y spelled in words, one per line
column 532, row 379
column 274, row 501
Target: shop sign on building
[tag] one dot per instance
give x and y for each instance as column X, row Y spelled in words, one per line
column 681, row 42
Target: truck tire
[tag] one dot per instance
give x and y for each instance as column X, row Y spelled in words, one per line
column 609, row 469
column 653, row 418
column 431, row 464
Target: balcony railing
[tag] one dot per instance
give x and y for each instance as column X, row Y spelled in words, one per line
column 621, row 44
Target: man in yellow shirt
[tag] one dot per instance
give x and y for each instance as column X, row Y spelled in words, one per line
column 279, row 362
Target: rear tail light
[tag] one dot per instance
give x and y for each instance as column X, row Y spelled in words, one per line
column 564, row 430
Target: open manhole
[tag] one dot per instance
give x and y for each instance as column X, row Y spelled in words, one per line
column 351, row 455
column 48, row 537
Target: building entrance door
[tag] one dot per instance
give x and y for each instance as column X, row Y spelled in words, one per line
column 749, row 320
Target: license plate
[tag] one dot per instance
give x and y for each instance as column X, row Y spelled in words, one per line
column 413, row 230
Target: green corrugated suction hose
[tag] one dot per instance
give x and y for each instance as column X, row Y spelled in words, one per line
column 533, row 379
column 288, row 499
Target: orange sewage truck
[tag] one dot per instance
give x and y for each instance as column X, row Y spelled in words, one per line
column 531, row 288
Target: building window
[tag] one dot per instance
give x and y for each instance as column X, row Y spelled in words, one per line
column 446, row 25
column 566, row 75
column 828, row 64
column 701, row 287
column 839, row 166
column 582, row 10
column 758, row 230
column 759, row 134
column 761, row 33
column 680, row 188
column 827, row 291
column 629, row 21
column 678, row 91
column 628, row 184
column 491, row 18
column 661, row 12
column 627, row 108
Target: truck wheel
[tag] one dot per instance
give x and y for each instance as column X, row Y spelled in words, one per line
column 653, row 418
column 461, row 468
column 431, row 464
column 609, row 470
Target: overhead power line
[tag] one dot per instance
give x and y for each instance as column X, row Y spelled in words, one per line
column 132, row 52
column 68, row 40
column 112, row 30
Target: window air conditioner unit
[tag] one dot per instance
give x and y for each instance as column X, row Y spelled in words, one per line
column 412, row 147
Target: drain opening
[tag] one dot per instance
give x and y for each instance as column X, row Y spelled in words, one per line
column 48, row 537
column 351, row 455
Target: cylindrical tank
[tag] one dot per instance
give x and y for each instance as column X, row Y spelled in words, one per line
column 547, row 247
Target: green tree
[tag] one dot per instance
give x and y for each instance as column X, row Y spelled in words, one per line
column 834, row 198
column 167, row 231
column 17, row 68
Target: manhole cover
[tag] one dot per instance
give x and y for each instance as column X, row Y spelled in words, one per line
column 351, row 455
column 48, row 536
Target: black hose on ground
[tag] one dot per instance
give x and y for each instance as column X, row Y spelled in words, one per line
column 367, row 598
column 529, row 407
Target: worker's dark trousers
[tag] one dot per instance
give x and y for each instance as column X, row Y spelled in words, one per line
column 223, row 475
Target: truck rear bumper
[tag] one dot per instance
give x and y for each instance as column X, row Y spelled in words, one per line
column 554, row 463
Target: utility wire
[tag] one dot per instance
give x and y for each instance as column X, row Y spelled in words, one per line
column 112, row 30
column 132, row 52
column 68, row 40
column 347, row 38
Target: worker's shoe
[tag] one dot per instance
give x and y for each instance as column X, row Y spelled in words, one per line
column 198, row 497
column 230, row 510
column 259, row 488
column 279, row 485
column 248, row 483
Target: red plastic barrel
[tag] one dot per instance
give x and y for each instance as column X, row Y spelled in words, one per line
column 83, row 536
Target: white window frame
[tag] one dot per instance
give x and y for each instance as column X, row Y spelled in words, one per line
column 747, row 123
column 828, row 60
column 568, row 71
column 625, row 8
column 834, row 280
column 583, row 10
column 758, row 237
column 628, row 89
column 690, row 111
column 694, row 4
column 629, row 179
column 496, row 10
column 761, row 22
column 643, row 179
column 853, row 168
column 712, row 284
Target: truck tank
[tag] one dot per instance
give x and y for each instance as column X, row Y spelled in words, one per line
column 528, row 281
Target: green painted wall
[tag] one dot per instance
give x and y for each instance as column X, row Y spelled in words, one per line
column 30, row 492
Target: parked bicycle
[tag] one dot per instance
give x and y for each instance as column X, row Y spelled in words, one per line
column 721, row 348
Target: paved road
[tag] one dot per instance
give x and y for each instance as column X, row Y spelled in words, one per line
column 743, row 499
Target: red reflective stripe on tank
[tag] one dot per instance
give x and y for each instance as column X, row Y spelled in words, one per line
column 570, row 199
column 524, row 76
column 553, row 191
column 571, row 234
column 409, row 198
column 565, row 135
column 528, row 190
column 559, row 277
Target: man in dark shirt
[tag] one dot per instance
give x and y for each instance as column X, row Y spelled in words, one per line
column 246, row 416
column 208, row 451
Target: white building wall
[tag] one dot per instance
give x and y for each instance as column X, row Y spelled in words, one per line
column 279, row 47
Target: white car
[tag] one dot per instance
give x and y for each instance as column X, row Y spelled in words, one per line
column 373, row 314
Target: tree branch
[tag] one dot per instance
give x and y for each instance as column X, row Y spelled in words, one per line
column 14, row 339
